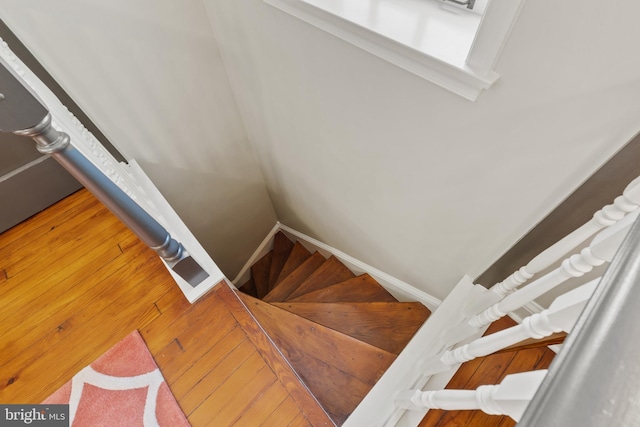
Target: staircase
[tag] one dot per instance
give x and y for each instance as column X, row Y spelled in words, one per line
column 339, row 331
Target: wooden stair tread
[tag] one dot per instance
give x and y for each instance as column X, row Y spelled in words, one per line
column 334, row 348
column 343, row 395
column 249, row 288
column 332, row 271
column 386, row 325
column 260, row 274
column 298, row 255
column 282, row 247
column 280, row 366
column 294, row 279
column 317, row 353
column 363, row 288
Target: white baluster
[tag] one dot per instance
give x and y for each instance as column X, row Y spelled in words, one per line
column 510, row 397
column 560, row 316
column 605, row 217
column 601, row 250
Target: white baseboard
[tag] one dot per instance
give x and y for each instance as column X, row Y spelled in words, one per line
column 265, row 246
column 399, row 289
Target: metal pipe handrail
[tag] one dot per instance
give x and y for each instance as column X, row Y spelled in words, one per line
column 595, row 379
column 22, row 113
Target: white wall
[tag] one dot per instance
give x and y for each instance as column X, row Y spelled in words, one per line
column 149, row 74
column 408, row 177
column 356, row 152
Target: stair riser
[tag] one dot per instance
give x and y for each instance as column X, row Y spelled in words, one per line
column 339, row 349
column 400, row 290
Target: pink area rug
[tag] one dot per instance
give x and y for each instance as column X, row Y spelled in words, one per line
column 124, row 387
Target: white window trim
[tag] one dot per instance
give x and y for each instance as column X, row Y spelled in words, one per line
column 467, row 81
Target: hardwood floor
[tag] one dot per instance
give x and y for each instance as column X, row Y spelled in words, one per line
column 74, row 282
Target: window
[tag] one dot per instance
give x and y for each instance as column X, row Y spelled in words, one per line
column 443, row 42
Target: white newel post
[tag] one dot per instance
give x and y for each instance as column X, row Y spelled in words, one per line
column 510, row 397
column 605, row 217
column 601, row 250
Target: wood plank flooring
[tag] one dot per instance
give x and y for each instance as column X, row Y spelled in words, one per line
column 74, row 282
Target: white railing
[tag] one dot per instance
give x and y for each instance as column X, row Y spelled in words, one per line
column 611, row 227
column 559, row 317
column 601, row 249
column 510, row 397
column 594, row 380
column 605, row 217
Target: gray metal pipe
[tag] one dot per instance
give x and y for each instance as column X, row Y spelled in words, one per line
column 595, row 379
column 57, row 144
column 23, row 114
column 151, row 232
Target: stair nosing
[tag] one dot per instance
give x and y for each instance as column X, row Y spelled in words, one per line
column 314, row 258
column 332, row 259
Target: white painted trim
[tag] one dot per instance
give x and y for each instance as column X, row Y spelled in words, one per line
column 178, row 229
column 495, row 27
column 399, row 289
column 264, row 247
column 63, row 120
column 555, row 348
column 531, row 308
column 22, row 168
column 464, row 81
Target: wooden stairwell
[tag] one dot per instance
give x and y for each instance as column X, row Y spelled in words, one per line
column 338, row 331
